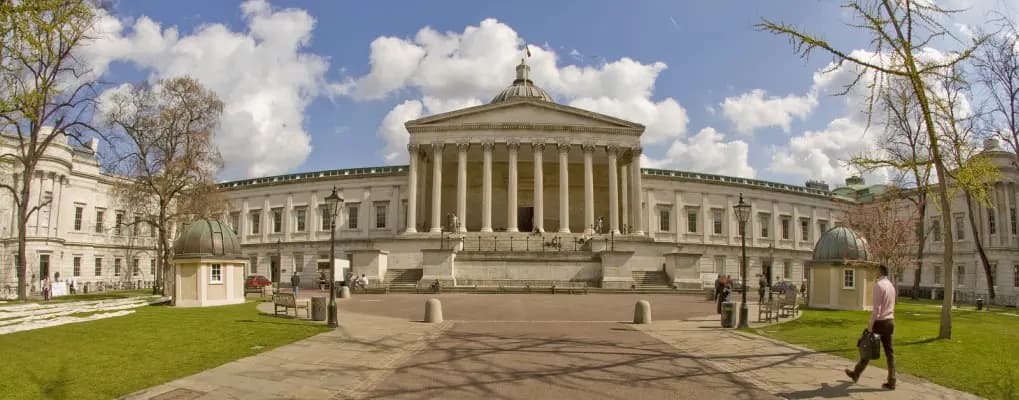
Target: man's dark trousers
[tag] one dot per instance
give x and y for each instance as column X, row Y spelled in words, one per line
column 885, row 328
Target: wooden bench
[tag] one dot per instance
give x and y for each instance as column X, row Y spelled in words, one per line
column 789, row 304
column 254, row 289
column 286, row 301
column 766, row 311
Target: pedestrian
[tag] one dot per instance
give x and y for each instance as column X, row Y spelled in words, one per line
column 295, row 282
column 762, row 284
column 718, row 287
column 882, row 322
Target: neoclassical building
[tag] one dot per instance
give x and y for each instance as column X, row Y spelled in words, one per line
column 520, row 190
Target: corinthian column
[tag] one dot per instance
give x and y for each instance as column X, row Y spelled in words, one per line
column 564, row 187
column 412, row 189
column 588, row 189
column 613, row 191
column 637, row 192
column 486, row 187
column 461, row 185
column 437, row 187
column 539, row 202
column 511, row 189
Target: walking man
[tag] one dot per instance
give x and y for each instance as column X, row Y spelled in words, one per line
column 882, row 322
column 295, row 282
column 762, row 284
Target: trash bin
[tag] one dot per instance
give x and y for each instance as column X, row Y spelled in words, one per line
column 728, row 314
column 318, row 308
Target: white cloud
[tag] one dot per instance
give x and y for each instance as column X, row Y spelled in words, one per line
column 394, row 133
column 752, row 110
column 707, row 151
column 451, row 70
column 824, row 154
column 263, row 75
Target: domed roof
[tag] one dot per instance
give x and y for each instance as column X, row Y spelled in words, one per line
column 207, row 238
column 522, row 87
column 841, row 244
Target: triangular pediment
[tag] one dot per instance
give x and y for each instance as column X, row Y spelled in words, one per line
column 523, row 111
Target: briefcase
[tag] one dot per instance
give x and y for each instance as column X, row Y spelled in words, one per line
column 869, row 345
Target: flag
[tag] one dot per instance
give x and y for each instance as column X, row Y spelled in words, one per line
column 528, row 50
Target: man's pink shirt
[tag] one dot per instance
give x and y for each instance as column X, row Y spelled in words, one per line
column 884, row 301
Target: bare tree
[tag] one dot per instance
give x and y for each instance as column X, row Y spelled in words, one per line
column 899, row 31
column 998, row 71
column 162, row 140
column 45, row 93
column 889, row 228
column 971, row 173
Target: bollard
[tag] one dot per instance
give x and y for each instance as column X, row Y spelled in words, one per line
column 344, row 292
column 433, row 311
column 642, row 312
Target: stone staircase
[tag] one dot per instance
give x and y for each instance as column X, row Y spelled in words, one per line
column 650, row 280
column 403, row 278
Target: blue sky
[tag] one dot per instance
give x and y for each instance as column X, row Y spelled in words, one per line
column 330, row 104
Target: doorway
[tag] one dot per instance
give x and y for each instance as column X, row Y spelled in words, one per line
column 525, row 219
column 44, row 266
column 274, row 270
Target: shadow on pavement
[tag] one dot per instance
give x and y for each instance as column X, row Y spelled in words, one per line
column 826, row 391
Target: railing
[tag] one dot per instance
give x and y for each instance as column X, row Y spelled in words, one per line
column 530, row 243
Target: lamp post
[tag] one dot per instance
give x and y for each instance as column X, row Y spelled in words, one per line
column 333, row 202
column 742, row 211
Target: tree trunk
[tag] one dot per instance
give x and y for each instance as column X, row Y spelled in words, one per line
column 980, row 248
column 23, row 213
column 921, row 236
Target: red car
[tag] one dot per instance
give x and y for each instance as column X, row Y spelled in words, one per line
column 256, row 282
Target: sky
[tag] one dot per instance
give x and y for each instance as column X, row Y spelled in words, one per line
column 316, row 85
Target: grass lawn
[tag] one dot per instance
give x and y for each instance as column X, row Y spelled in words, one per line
column 120, row 294
column 981, row 358
column 112, row 357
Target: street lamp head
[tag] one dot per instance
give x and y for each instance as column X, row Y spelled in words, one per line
column 333, row 200
column 742, row 210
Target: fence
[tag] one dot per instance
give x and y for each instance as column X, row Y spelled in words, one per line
column 529, row 243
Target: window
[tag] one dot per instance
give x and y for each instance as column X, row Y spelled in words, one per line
column 253, row 263
column 848, row 279
column 352, row 216
column 380, row 215
column 44, row 211
column 136, row 227
column 298, row 262
column 327, row 216
column 960, row 230
column 216, row 274
column 716, row 221
column 79, row 211
column 804, row 229
column 936, row 229
column 152, row 266
column 937, row 274
column 135, row 269
column 1015, row 276
column 277, row 220
column 118, row 223
column 100, row 213
column 1011, row 217
column 992, row 225
column 960, row 275
column 116, row 267
column 822, row 226
column 663, row 220
column 76, row 264
column 785, row 228
column 44, row 266
column 300, row 219
column 720, row 264
column 98, row 270
column 691, row 220
column 255, row 218
column 765, row 223
column 787, row 270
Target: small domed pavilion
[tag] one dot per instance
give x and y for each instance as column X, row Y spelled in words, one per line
column 209, row 266
column 841, row 275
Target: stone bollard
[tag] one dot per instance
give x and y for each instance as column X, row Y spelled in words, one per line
column 344, row 292
column 433, row 311
column 642, row 312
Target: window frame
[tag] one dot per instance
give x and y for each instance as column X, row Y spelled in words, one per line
column 786, row 223
column 992, row 222
column 960, row 275
column 276, row 214
column 97, row 267
column 381, row 215
column 352, row 215
column 300, row 219
column 118, row 223
column 664, row 219
column 717, row 222
column 100, row 217
column 764, row 219
column 805, row 229
column 215, row 274
column 691, row 223
column 79, row 217
column 849, row 273
column 116, row 266
column 255, row 220
column 960, row 227
column 76, row 266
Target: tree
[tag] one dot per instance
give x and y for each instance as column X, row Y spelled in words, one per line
column 162, row 140
column 972, row 173
column 888, row 227
column 899, row 30
column 45, row 93
column 998, row 71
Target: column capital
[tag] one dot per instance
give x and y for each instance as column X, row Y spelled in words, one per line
column 538, row 145
column 487, row 145
column 413, row 147
column 513, row 144
column 636, row 150
column 588, row 147
column 564, row 146
column 438, row 145
column 612, row 149
column 463, row 146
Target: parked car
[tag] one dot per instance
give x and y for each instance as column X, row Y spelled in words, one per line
column 256, row 282
column 782, row 286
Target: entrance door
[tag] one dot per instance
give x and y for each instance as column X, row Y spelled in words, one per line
column 274, row 270
column 525, row 219
column 44, row 266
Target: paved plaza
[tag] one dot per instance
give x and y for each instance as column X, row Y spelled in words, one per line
column 535, row 347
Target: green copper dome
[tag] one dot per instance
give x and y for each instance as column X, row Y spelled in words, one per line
column 522, row 87
column 841, row 244
column 207, row 238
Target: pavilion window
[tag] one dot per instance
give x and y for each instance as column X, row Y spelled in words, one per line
column 216, row 273
column 848, row 279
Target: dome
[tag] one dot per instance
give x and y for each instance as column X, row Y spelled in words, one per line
column 522, row 87
column 841, row 244
column 207, row 238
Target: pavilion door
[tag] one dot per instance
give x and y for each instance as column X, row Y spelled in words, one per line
column 525, row 219
column 274, row 270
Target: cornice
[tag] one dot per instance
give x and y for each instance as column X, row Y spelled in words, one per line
column 528, row 126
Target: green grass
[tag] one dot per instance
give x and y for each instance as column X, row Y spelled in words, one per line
column 981, row 358
column 112, row 357
column 120, row 294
